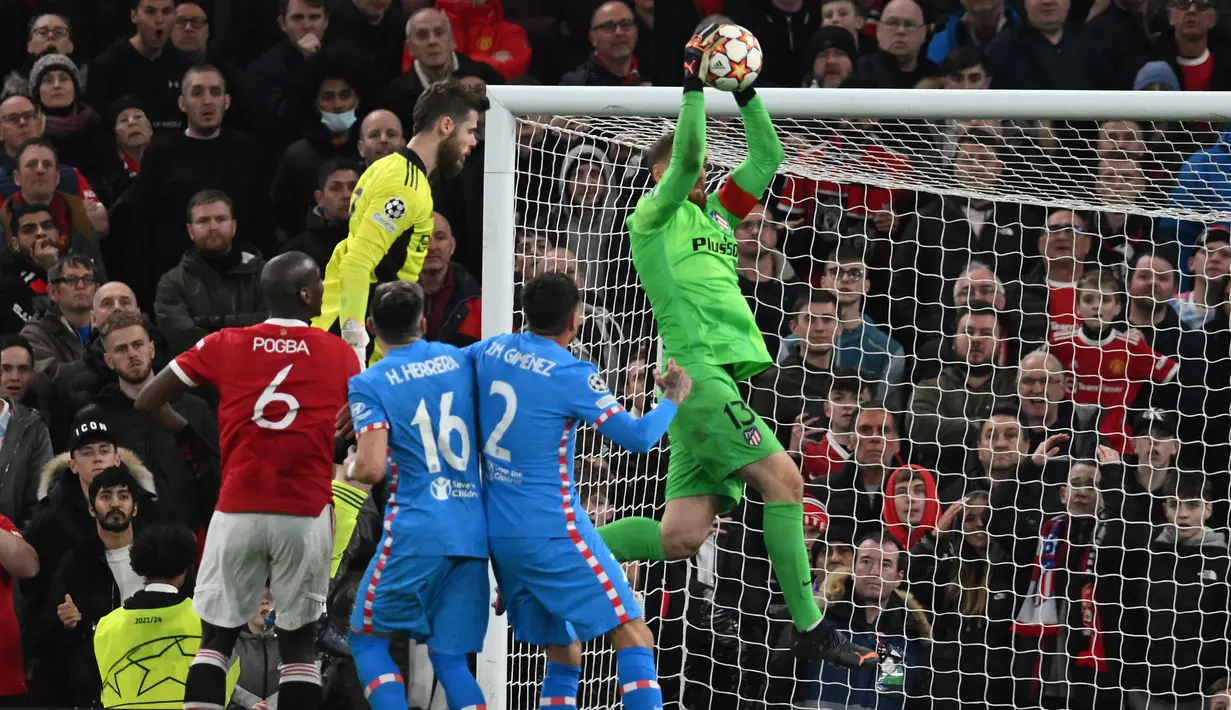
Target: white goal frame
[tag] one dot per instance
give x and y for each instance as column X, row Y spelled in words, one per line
column 510, row 102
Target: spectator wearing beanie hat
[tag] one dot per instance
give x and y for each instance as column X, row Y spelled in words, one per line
column 74, row 127
column 833, row 53
column 1156, row 76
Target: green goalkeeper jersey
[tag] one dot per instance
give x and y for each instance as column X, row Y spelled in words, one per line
column 686, row 256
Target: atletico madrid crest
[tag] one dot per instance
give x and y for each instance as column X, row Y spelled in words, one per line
column 719, row 219
column 752, row 435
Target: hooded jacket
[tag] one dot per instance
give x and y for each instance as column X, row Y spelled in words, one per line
column 63, row 523
column 54, row 341
column 184, row 483
column 1188, row 614
column 931, row 508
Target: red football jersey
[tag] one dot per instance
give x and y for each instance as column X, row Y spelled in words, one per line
column 824, row 457
column 12, row 677
column 1110, row 373
column 281, row 383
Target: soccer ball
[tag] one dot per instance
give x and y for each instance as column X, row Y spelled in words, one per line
column 732, row 62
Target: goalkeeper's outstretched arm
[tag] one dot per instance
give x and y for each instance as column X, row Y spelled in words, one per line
column 684, row 168
column 749, row 181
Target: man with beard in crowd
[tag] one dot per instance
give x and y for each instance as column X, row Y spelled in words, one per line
column 182, row 482
column 91, row 582
column 391, row 221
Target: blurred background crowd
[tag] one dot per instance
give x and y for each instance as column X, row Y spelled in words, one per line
column 1013, row 418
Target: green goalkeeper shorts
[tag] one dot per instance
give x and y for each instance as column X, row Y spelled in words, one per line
column 713, row 435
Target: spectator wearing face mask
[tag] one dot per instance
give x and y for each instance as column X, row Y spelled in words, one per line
column 332, row 133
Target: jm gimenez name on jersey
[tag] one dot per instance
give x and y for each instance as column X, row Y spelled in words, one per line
column 526, row 361
column 425, row 368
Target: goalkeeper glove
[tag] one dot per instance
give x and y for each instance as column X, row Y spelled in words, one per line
column 694, row 57
column 356, row 336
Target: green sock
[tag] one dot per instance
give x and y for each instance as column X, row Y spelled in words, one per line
column 784, row 541
column 631, row 539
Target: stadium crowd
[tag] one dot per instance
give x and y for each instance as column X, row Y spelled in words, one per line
column 1013, row 419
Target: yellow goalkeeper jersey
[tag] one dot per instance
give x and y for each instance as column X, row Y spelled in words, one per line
column 347, row 500
column 390, row 227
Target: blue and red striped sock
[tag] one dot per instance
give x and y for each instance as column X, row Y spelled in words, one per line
column 383, row 685
column 560, row 686
column 638, row 679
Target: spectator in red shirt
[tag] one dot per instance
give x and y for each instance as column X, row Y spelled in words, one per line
column 826, row 449
column 485, row 36
column 1200, row 64
column 17, row 561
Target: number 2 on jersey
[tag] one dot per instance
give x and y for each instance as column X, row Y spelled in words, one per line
column 440, row 444
column 492, row 447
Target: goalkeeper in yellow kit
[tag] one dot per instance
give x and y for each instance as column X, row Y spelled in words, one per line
column 391, row 209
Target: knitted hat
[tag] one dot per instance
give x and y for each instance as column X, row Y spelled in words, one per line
column 119, row 106
column 1156, row 73
column 814, row 511
column 832, row 37
column 52, row 62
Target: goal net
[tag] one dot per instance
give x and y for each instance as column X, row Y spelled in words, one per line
column 945, row 281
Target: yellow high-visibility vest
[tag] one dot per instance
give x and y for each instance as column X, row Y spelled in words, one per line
column 144, row 654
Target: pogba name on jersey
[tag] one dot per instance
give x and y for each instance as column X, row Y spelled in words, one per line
column 280, row 346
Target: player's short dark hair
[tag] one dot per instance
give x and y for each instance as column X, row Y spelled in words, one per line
column 818, row 295
column 21, row 209
column 449, row 97
column 1188, row 485
column 202, row 69
column 40, row 142
column 284, row 6
column 335, row 165
column 207, row 197
column 660, row 152
column 548, row 300
column 120, row 320
column 163, row 552
column 986, row 137
column 397, row 308
column 114, row 477
column 13, row 340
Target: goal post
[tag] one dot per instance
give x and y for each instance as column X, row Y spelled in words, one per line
column 1062, row 127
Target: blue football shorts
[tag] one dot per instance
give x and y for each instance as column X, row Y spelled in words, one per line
column 558, row 590
column 440, row 601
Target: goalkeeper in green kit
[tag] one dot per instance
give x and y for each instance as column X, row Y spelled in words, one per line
column 684, row 250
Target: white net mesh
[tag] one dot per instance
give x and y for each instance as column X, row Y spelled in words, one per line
column 1061, row 582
